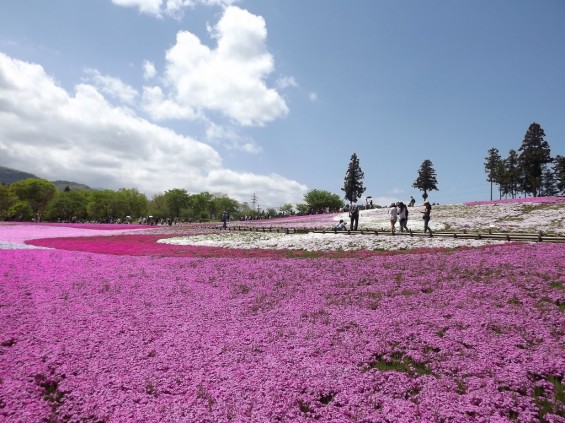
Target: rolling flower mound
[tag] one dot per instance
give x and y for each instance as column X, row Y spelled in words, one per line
column 185, row 324
column 465, row 336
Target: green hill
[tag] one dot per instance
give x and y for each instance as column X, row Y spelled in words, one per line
column 9, row 176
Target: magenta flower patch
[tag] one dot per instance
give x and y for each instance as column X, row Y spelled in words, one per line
column 120, row 328
column 142, row 245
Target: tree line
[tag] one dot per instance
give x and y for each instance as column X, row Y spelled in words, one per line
column 39, row 199
column 529, row 171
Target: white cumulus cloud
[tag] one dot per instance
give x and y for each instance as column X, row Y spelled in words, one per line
column 111, row 86
column 173, row 8
column 149, row 70
column 229, row 79
column 82, row 137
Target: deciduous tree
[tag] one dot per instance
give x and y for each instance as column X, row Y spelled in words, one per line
column 8, row 200
column 319, row 200
column 37, row 192
column 176, row 200
column 67, row 205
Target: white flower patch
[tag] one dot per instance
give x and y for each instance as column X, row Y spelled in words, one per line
column 19, row 246
column 510, row 217
column 322, row 242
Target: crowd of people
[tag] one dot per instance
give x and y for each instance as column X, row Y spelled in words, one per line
column 398, row 213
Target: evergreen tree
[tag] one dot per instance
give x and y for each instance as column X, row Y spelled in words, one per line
column 534, row 154
column 511, row 174
column 353, row 181
column 559, row 173
column 492, row 167
column 426, row 180
column 548, row 187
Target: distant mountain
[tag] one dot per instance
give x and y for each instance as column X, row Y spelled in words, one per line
column 8, row 176
column 73, row 186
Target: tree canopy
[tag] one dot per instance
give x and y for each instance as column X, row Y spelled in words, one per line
column 37, row 192
column 319, row 200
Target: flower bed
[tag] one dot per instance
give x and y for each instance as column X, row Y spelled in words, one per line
column 111, row 325
column 472, row 335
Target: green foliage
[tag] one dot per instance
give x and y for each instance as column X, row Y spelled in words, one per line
column 103, row 205
column 66, row 205
column 302, row 208
column 550, row 402
column 37, row 192
column 221, row 203
column 398, row 362
column 559, row 173
column 22, row 211
column 131, row 202
column 200, row 204
column 286, row 208
column 426, row 180
column 8, row 200
column 353, row 181
column 157, row 207
column 534, row 154
column 176, row 199
column 510, row 175
column 319, row 200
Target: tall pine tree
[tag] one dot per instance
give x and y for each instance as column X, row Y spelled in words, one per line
column 512, row 174
column 560, row 173
column 426, row 180
column 492, row 167
column 353, row 181
column 534, row 155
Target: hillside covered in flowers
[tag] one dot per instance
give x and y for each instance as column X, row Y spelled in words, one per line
column 116, row 323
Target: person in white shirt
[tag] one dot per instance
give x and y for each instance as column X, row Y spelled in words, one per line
column 403, row 216
column 393, row 212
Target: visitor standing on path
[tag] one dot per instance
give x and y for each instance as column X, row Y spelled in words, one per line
column 354, row 216
column 225, row 218
column 393, row 212
column 427, row 216
column 403, row 216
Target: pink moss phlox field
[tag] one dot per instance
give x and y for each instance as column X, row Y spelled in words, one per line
column 519, row 200
column 21, row 232
column 473, row 335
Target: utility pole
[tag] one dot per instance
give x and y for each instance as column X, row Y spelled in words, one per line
column 254, row 201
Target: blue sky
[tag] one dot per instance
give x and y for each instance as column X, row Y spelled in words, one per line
column 272, row 97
